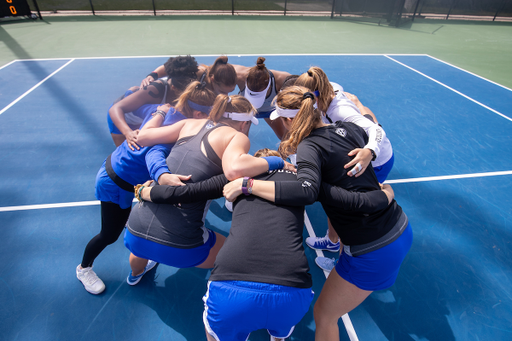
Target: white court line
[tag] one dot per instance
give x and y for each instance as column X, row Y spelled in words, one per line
column 44, row 206
column 8, row 64
column 34, row 87
column 399, row 181
column 447, row 177
column 471, row 73
column 450, row 88
column 228, row 55
column 349, row 327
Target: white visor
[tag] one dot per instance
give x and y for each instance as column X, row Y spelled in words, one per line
column 238, row 116
column 290, row 113
column 256, row 98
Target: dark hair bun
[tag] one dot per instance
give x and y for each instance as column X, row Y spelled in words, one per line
column 181, row 66
column 260, row 63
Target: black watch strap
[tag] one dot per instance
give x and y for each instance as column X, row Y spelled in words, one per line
column 374, row 156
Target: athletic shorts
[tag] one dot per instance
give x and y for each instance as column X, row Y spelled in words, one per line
column 382, row 171
column 233, row 309
column 107, row 190
column 111, row 126
column 168, row 255
column 376, row 270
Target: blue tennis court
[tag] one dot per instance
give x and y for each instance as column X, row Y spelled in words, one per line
column 450, row 131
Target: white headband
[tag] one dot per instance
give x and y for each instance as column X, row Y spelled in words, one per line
column 287, row 112
column 290, row 113
column 257, row 98
column 242, row 117
column 256, row 93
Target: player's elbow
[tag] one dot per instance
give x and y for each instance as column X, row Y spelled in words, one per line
column 233, row 173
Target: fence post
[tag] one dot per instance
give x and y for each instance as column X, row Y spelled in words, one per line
column 154, row 9
column 499, row 9
column 92, row 7
column 415, row 10
column 450, row 10
column 332, row 10
column 285, row 3
column 232, row 7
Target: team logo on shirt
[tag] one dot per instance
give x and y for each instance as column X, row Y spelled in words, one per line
column 342, row 132
column 306, row 184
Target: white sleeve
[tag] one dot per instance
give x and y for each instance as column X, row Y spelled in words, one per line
column 375, row 136
column 375, row 133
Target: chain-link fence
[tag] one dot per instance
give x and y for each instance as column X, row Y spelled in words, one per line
column 391, row 10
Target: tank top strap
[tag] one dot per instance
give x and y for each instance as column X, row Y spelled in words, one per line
column 166, row 88
column 210, row 153
column 273, row 84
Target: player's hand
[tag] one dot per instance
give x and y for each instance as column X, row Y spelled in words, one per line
column 146, row 81
column 164, row 107
column 389, row 192
column 361, row 160
column 233, row 189
column 173, row 179
column 290, row 167
column 352, row 97
column 131, row 139
column 145, row 194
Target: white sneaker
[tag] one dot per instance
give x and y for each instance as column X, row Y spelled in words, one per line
column 325, row 263
column 228, row 205
column 90, row 280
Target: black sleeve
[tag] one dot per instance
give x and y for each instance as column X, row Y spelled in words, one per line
column 305, row 190
column 198, row 191
column 369, row 202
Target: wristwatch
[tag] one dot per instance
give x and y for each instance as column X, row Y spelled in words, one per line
column 244, row 186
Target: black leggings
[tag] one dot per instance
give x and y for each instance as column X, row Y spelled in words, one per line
column 113, row 221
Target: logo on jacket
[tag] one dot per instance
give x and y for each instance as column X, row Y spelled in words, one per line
column 342, row 132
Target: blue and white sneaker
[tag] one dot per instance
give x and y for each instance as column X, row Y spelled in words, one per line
column 323, row 243
column 132, row 280
column 325, row 263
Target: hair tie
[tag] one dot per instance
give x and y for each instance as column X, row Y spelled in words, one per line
column 229, row 99
column 310, row 73
column 308, row 95
column 201, row 85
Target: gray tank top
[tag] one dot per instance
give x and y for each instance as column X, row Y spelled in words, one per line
column 180, row 225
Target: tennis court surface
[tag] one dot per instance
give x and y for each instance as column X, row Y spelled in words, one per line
column 450, row 131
